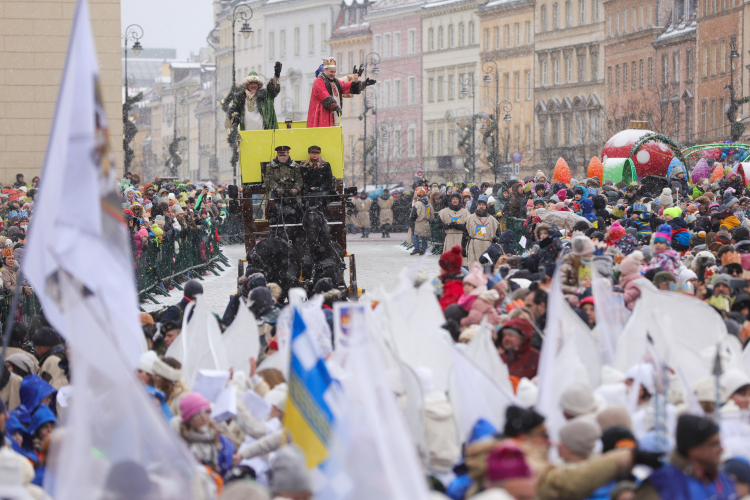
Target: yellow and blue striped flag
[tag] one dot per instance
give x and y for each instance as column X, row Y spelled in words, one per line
column 309, row 416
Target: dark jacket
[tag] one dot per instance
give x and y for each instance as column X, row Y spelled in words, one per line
column 319, row 177
column 174, row 313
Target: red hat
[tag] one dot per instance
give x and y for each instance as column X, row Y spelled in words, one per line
column 452, row 260
column 506, row 461
column 616, row 231
column 587, row 300
column 273, row 346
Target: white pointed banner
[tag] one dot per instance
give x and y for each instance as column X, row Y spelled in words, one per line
column 241, row 341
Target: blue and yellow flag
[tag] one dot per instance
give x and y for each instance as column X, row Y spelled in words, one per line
column 308, row 416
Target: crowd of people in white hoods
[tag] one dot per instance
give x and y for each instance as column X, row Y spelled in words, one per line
column 663, row 423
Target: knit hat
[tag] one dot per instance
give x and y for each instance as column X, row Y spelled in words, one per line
column 46, row 336
column 693, row 431
column 699, row 238
column 631, row 264
column 741, row 234
column 476, row 276
column 614, row 416
column 582, row 245
column 22, row 361
column 527, row 392
column 732, row 380
column 665, row 198
column 577, row 399
column 673, row 212
column 618, row 437
column 663, row 277
column 739, row 468
column 277, row 396
column 520, row 421
column 616, row 231
column 146, row 362
column 705, row 389
column 451, row 260
column 562, row 195
column 506, row 461
column 290, row 473
column 160, row 368
column 191, row 404
column 663, row 234
column 580, row 436
column 687, row 274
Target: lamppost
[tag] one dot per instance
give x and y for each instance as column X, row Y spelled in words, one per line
column 737, row 128
column 288, row 103
column 240, row 12
column 215, row 159
column 489, row 68
column 465, row 82
column 132, row 33
column 386, row 137
column 371, row 59
column 174, row 152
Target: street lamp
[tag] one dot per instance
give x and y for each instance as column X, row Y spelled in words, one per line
column 489, row 68
column 184, row 92
column 465, row 83
column 240, row 13
column 132, row 33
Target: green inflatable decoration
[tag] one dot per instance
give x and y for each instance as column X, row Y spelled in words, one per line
column 619, row 170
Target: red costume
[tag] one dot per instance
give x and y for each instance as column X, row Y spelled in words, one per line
column 524, row 361
column 325, row 98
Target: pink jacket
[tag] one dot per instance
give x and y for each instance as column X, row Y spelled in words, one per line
column 631, row 292
column 483, row 305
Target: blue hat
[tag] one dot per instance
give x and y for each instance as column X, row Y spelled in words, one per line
column 639, row 207
column 482, row 199
column 42, row 416
column 480, row 430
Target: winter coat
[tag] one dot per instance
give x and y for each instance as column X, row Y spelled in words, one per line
column 524, row 361
column 50, row 368
column 10, row 275
column 453, row 223
column 682, row 184
column 363, row 212
column 501, row 200
column 742, row 246
column 424, row 215
column 630, row 290
column 508, row 242
column 480, row 231
column 569, row 274
column 678, row 481
column 10, row 394
column 669, row 261
column 484, row 305
column 516, row 206
column 549, row 249
column 453, row 288
column 386, row 210
column 263, row 446
column 580, row 480
column 600, row 210
column 440, row 432
column 627, row 244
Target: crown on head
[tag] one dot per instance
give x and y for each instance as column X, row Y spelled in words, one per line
column 329, row 62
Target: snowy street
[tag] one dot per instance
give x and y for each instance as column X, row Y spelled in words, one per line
column 378, row 263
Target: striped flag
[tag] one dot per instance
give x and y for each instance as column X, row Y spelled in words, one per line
column 309, row 415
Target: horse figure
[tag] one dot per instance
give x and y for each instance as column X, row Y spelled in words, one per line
column 321, row 257
column 279, row 262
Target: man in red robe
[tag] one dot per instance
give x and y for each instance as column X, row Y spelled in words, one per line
column 327, row 94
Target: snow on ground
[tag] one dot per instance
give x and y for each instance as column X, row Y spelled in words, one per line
column 378, row 260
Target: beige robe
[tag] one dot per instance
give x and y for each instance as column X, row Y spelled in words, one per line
column 479, row 239
column 363, row 211
column 424, row 216
column 453, row 236
column 10, row 394
column 386, row 211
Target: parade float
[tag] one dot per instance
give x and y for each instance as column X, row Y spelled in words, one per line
column 649, row 153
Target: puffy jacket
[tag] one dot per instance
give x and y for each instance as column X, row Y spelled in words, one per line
column 524, row 361
column 484, row 305
column 453, row 288
column 631, row 291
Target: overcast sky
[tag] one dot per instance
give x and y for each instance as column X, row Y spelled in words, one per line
column 170, row 24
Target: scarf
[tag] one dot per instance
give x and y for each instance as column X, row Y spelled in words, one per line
column 730, row 222
column 250, row 100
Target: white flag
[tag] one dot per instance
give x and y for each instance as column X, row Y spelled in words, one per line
column 78, row 221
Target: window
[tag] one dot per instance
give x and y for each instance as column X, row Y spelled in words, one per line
column 640, row 74
column 412, row 90
column 518, row 34
column 721, row 124
column 543, row 19
column 397, row 92
column 722, row 57
column 527, row 77
column 581, row 12
column 471, row 33
column 271, row 45
column 517, row 84
column 282, row 44
column 712, row 132
column 340, row 59
column 625, row 21
column 441, row 142
column 712, row 58
column 411, row 142
column 568, row 14
column 352, row 63
column 555, row 132
column 633, row 19
column 542, row 134
column 555, row 16
column 451, row 37
column 543, row 71
column 431, row 142
column 386, row 46
column 569, row 69
column 412, row 36
column 311, row 40
column 506, row 81
column 440, row 89
column 461, row 34
column 430, row 39
column 361, row 56
column 704, row 61
column 664, row 69
column 527, row 25
column 506, row 35
column 376, row 42
column 431, row 90
column 296, row 42
column 650, row 71
column 496, row 38
column 640, row 19
column 556, row 70
column 581, row 67
column 451, row 141
column 594, row 11
column 617, row 23
column 689, row 65
column 594, row 128
column 625, row 77
column 617, row 78
column 594, row 66
column 486, row 39
column 676, row 67
column 451, row 87
column 397, row 44
column 527, row 137
column 323, row 38
column 688, row 121
column 704, row 122
column 632, row 75
column 441, row 38
column 610, row 31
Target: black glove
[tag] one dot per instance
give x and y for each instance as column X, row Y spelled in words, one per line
column 648, row 458
column 277, row 69
column 368, row 82
column 337, row 109
column 463, row 252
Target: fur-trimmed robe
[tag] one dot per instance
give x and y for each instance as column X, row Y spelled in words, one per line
column 326, row 95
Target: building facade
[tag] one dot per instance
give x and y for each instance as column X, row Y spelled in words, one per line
column 569, row 83
column 34, row 40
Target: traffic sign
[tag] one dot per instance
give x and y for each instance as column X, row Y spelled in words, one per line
column 517, row 157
